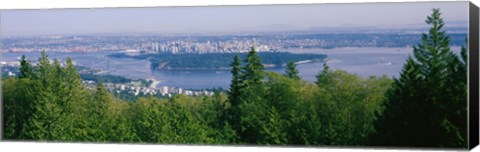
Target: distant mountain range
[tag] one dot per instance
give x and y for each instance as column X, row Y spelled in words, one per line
column 451, row 27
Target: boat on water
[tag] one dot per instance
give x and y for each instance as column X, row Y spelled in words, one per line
column 384, row 62
column 387, row 63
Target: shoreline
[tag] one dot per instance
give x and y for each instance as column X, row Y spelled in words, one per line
column 268, row 66
column 154, row 84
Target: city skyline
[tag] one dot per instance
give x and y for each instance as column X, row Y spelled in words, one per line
column 218, row 19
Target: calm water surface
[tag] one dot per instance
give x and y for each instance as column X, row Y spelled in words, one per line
column 362, row 61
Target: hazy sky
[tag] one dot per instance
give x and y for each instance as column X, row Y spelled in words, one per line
column 223, row 18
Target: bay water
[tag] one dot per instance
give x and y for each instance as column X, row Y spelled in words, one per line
column 363, row 61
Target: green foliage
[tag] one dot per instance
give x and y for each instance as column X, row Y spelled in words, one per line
column 26, row 69
column 235, row 85
column 346, row 105
column 297, row 118
column 426, row 106
column 49, row 107
column 91, row 75
column 271, row 109
column 17, row 106
column 253, row 72
column 105, row 78
column 232, row 115
column 291, row 70
column 253, row 113
column 322, row 76
column 213, row 113
column 168, row 122
column 216, row 60
column 273, row 129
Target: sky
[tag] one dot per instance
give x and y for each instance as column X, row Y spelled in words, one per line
column 225, row 18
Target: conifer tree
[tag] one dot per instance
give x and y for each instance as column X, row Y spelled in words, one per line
column 47, row 116
column 26, row 69
column 58, row 98
column 71, row 74
column 101, row 97
column 456, row 107
column 45, row 71
column 419, row 106
column 100, row 91
column 322, row 76
column 402, row 100
column 17, row 106
column 252, row 99
column 235, row 85
column 291, row 71
column 17, row 103
column 254, row 71
column 75, row 93
column 233, row 112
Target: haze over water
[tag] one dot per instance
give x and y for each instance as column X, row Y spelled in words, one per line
column 363, row 61
column 367, row 61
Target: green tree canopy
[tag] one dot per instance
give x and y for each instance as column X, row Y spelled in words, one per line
column 291, row 71
column 426, row 106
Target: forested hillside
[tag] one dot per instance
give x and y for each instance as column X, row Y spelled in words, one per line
column 169, row 61
column 424, row 107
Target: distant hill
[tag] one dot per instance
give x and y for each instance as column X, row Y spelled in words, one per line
column 192, row 61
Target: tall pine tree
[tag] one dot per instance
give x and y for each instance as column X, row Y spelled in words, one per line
column 421, row 109
column 233, row 112
column 254, row 71
column 26, row 69
column 322, row 76
column 291, row 71
column 235, row 85
column 252, row 99
column 47, row 115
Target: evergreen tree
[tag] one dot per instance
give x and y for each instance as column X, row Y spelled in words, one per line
column 273, row 130
column 233, row 112
column 71, row 83
column 424, row 107
column 101, row 96
column 252, row 99
column 58, row 100
column 254, row 71
column 17, row 107
column 291, row 71
column 17, row 103
column 456, row 107
column 322, row 76
column 39, row 126
column 90, row 116
column 235, row 85
column 26, row 69
column 71, row 74
column 45, row 71
column 400, row 106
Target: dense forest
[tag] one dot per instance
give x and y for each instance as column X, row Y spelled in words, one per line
column 168, row 61
column 88, row 74
column 424, row 107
